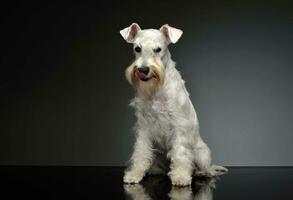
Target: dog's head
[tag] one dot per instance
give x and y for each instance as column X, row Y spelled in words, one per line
column 150, row 47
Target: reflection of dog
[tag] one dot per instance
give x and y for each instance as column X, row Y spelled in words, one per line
column 167, row 126
column 158, row 188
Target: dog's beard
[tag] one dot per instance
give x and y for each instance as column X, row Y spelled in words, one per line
column 146, row 86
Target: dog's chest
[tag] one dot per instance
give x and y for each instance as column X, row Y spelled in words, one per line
column 157, row 116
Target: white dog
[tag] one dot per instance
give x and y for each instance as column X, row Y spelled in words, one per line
column 167, row 130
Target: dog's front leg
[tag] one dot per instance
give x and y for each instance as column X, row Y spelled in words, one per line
column 141, row 158
column 181, row 160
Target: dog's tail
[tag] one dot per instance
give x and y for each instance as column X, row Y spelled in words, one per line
column 217, row 170
column 214, row 170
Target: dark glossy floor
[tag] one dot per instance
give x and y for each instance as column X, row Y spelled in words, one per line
column 106, row 183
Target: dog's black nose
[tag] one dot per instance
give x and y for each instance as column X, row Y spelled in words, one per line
column 144, row 69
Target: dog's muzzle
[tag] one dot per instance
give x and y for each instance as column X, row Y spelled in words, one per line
column 142, row 73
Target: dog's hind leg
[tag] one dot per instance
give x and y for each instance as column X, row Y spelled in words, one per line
column 203, row 162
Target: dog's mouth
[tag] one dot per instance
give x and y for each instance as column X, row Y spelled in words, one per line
column 141, row 75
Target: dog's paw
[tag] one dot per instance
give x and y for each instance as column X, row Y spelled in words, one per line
column 180, row 179
column 132, row 177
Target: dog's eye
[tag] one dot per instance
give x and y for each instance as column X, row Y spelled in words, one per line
column 157, row 50
column 137, row 49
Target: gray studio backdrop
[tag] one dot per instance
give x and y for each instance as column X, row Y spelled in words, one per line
column 236, row 59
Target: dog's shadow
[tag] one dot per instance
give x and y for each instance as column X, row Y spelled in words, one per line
column 159, row 187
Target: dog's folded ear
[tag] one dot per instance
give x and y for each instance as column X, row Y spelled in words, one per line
column 172, row 34
column 130, row 32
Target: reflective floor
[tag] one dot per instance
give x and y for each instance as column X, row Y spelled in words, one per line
column 106, row 183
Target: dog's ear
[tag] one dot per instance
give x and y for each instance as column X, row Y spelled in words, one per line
column 172, row 34
column 130, row 32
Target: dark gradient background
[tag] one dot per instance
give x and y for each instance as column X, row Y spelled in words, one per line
column 64, row 99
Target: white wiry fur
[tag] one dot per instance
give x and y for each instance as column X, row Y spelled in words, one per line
column 167, row 130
